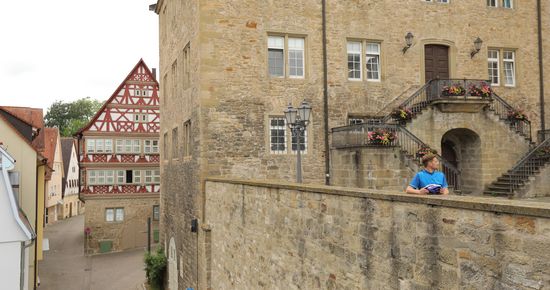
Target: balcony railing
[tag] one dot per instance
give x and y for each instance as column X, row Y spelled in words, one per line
column 358, row 136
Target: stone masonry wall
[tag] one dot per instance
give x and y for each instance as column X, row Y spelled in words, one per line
column 371, row 167
column 266, row 235
column 129, row 234
column 539, row 185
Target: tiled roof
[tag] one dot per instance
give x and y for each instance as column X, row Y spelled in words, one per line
column 66, row 149
column 50, row 143
column 33, row 117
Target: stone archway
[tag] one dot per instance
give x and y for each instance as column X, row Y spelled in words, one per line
column 462, row 148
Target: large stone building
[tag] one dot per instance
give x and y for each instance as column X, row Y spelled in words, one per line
column 230, row 68
column 119, row 165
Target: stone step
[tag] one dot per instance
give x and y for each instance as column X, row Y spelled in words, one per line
column 497, row 193
column 502, row 188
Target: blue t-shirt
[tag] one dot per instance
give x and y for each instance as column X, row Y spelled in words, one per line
column 423, row 178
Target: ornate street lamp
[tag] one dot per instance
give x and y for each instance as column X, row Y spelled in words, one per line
column 477, row 47
column 297, row 120
column 408, row 41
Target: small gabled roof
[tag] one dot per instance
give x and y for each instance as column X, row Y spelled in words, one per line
column 32, row 116
column 114, row 95
column 50, row 142
column 39, row 152
column 67, row 145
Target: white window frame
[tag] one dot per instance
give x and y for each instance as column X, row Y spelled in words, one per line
column 109, row 177
column 350, row 51
column 90, row 146
column 92, row 178
column 156, row 176
column 489, row 3
column 355, row 120
column 278, row 128
column 148, row 176
column 119, row 146
column 511, row 4
column 121, row 174
column 497, row 61
column 504, row 69
column 379, row 63
column 136, row 146
column 110, row 215
column 274, row 45
column 136, row 176
column 296, row 49
column 119, row 214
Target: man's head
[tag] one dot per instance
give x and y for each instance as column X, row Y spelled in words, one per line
column 430, row 162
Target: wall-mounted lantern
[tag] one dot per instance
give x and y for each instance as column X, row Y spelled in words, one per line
column 477, row 47
column 408, row 41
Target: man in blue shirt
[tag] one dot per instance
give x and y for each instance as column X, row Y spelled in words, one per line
column 429, row 180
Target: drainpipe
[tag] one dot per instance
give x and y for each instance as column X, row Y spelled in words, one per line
column 36, row 223
column 325, row 94
column 541, row 68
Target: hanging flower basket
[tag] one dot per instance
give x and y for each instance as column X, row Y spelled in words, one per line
column 517, row 115
column 484, row 90
column 402, row 114
column 425, row 150
column 381, row 137
column 454, row 90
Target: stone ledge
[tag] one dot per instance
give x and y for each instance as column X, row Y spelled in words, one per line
column 496, row 205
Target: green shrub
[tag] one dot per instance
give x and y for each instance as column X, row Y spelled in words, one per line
column 155, row 267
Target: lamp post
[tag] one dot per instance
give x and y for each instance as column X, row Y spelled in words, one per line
column 297, row 120
column 477, row 47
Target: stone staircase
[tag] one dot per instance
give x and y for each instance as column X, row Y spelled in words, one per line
column 512, row 182
column 432, row 92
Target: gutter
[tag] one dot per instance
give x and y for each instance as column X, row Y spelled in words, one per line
column 541, row 67
column 325, row 94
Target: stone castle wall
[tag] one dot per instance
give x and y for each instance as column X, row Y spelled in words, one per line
column 264, row 235
column 128, row 234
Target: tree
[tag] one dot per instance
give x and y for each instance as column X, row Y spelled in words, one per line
column 69, row 117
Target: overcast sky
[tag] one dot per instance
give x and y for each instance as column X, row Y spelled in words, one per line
column 70, row 49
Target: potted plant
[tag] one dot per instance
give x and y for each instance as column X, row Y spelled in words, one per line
column 517, row 115
column 484, row 90
column 454, row 90
column 381, row 137
column 401, row 114
column 423, row 150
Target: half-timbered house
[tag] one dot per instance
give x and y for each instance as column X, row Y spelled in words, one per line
column 119, row 165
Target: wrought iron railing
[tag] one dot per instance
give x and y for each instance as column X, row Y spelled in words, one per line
column 503, row 109
column 362, row 135
column 454, row 89
column 529, row 165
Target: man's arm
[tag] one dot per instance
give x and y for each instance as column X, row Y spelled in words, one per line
column 411, row 190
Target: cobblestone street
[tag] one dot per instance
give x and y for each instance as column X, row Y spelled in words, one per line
column 66, row 268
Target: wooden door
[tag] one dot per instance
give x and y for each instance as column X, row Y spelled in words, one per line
column 436, row 61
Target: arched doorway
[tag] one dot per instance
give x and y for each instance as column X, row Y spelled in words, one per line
column 172, row 266
column 462, row 148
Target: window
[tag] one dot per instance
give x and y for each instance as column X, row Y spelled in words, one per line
column 186, row 66
column 175, row 141
column 108, row 146
column 92, row 177
column 277, row 135
column 276, row 46
column 296, row 57
column 507, row 4
column 509, row 68
column 109, row 214
column 493, row 66
column 148, row 176
column 137, row 176
column 109, row 177
column 137, row 92
column 165, row 145
column 120, row 177
column 119, row 214
column 119, row 146
column 129, row 176
column 127, row 146
column 151, row 146
column 303, row 141
column 156, row 212
column 439, row 1
column 373, row 61
column 492, row 3
column 174, row 84
column 90, row 145
column 354, row 60
column 156, row 176
column 186, row 143
column 100, row 176
column 141, row 117
column 136, row 148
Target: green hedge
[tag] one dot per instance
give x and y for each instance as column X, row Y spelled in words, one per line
column 155, row 267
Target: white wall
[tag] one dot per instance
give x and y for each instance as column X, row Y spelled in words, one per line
column 10, row 265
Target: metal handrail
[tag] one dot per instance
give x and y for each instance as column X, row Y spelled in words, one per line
column 358, row 136
column 502, row 108
column 529, row 164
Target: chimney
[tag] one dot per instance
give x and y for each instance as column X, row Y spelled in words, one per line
column 154, row 72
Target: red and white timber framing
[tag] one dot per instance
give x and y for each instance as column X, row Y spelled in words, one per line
column 132, row 112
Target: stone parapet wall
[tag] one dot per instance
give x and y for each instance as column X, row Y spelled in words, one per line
column 274, row 235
